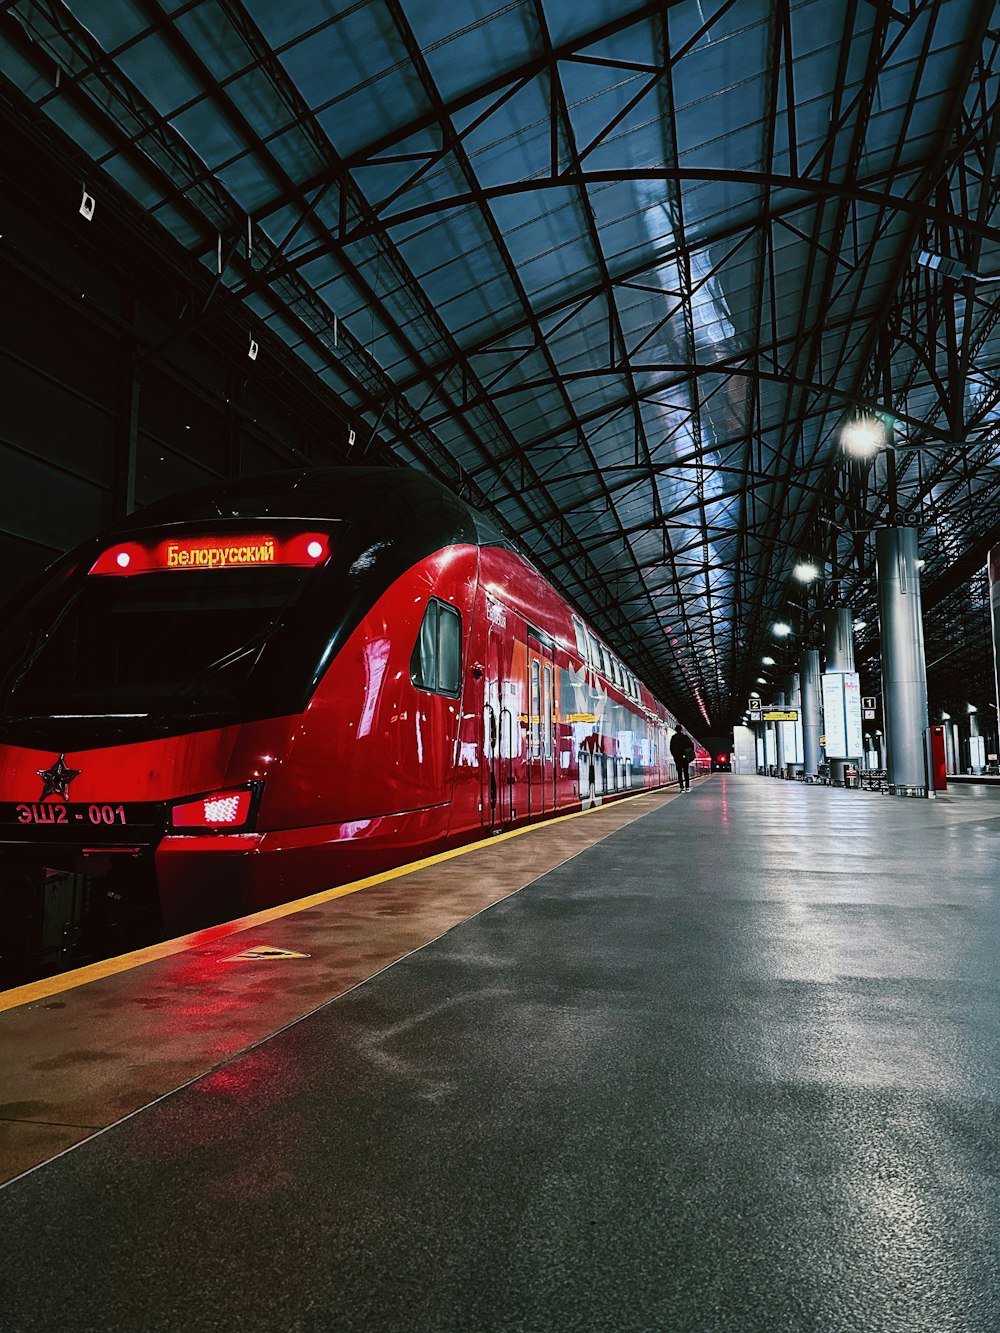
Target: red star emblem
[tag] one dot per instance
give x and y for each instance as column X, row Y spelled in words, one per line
column 57, row 778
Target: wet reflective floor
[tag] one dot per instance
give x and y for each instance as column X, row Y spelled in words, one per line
column 734, row 1067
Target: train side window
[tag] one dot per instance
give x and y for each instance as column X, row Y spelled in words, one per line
column 436, row 662
column 581, row 638
column 536, row 711
column 547, row 734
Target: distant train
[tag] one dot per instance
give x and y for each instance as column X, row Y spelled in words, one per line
column 254, row 691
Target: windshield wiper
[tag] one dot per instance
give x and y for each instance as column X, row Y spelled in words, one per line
column 255, row 644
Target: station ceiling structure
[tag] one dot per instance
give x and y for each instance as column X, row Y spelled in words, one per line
column 619, row 273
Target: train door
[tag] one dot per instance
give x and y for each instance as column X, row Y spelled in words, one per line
column 541, row 727
column 498, row 738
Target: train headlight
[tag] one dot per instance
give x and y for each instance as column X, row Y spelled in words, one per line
column 218, row 811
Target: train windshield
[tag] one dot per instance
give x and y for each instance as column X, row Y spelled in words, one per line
column 174, row 642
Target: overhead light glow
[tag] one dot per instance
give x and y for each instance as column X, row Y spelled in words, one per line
column 860, row 624
column 805, row 572
column 761, row 680
column 767, row 661
column 863, row 437
column 781, row 629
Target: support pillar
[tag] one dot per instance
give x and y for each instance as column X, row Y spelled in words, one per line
column 770, row 749
column 949, row 747
column 839, row 643
column 127, row 423
column 974, row 764
column 779, row 735
column 904, row 677
column 809, row 685
column 793, row 730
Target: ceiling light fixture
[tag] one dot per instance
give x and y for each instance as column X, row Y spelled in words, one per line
column 952, row 268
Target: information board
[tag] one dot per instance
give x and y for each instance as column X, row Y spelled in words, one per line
column 842, row 715
column 791, row 740
column 852, row 715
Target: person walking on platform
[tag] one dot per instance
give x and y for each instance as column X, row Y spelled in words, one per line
column 682, row 750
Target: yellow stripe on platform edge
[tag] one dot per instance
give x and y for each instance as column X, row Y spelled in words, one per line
column 109, row 967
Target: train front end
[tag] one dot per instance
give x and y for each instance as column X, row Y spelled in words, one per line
column 149, row 685
column 182, row 701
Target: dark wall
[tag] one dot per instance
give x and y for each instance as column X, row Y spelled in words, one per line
column 114, row 390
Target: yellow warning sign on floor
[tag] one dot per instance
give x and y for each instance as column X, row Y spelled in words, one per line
column 264, row 951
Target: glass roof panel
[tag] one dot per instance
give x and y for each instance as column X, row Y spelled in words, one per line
column 356, row 75
column 112, row 25
column 161, row 73
column 459, row 44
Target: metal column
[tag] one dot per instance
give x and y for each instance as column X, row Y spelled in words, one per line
column 809, row 684
column 974, row 764
column 949, row 747
column 793, row 694
column 904, row 678
column 839, row 642
column 779, row 735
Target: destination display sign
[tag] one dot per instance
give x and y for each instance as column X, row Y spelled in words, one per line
column 781, row 715
column 209, row 551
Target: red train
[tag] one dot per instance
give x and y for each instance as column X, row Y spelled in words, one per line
column 254, row 691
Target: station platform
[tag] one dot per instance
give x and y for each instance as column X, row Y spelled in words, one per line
column 721, row 1062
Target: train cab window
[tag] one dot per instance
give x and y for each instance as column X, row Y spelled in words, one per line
column 436, row 663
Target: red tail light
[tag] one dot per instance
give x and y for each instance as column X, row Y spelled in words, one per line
column 223, row 810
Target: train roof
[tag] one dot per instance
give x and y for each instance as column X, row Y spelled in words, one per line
column 403, row 499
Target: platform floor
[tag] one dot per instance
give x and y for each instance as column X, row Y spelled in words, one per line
column 732, row 1069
